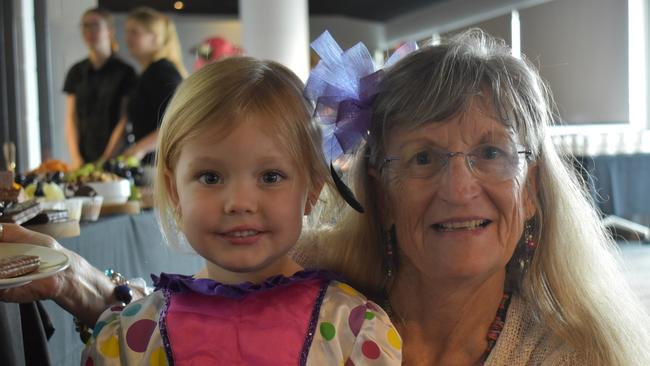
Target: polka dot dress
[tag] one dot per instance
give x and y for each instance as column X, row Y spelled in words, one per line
column 346, row 329
column 353, row 331
column 130, row 334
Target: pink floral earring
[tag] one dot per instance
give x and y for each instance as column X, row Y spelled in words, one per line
column 529, row 245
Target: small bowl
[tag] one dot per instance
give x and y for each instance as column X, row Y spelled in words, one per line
column 91, row 208
column 52, row 205
column 116, row 192
column 74, row 206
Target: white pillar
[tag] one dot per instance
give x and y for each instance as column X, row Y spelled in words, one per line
column 277, row 30
column 29, row 144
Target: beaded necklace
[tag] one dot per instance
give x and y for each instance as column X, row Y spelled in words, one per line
column 496, row 327
column 493, row 332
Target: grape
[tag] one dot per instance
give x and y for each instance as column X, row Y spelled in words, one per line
column 119, row 166
column 86, row 169
column 55, row 177
column 39, row 190
column 125, row 173
column 86, row 191
column 29, row 179
column 132, row 162
column 135, row 193
column 20, row 179
column 138, row 175
column 107, row 166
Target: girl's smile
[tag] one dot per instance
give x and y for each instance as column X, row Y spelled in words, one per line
column 242, row 235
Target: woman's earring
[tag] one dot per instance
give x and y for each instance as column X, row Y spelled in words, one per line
column 529, row 245
column 391, row 245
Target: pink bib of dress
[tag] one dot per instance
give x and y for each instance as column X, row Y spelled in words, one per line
column 269, row 327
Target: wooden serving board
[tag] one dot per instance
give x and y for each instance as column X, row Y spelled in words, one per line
column 57, row 230
column 128, row 208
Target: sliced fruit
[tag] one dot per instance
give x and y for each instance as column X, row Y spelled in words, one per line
column 53, row 192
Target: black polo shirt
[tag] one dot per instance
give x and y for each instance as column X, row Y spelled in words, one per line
column 150, row 97
column 99, row 95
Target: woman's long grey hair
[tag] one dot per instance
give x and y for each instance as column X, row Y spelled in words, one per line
column 573, row 284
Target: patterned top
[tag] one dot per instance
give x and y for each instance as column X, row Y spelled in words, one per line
column 525, row 340
column 306, row 319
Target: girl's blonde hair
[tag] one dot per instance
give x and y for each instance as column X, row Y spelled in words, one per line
column 574, row 283
column 108, row 18
column 169, row 47
column 223, row 94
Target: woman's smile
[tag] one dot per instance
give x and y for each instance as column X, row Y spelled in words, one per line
column 461, row 225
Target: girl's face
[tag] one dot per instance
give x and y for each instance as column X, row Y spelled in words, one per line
column 95, row 32
column 140, row 41
column 241, row 199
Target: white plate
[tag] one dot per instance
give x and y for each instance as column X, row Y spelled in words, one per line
column 52, row 261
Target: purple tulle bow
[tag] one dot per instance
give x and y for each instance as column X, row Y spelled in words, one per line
column 343, row 85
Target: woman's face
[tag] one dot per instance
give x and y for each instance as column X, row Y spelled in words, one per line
column 453, row 223
column 141, row 42
column 95, row 32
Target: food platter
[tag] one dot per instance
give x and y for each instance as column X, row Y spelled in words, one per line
column 52, row 261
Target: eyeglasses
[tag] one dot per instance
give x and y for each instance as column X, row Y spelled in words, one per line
column 487, row 162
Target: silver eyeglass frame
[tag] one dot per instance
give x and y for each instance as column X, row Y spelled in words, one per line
column 448, row 155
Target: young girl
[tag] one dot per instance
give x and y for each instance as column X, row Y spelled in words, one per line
column 239, row 164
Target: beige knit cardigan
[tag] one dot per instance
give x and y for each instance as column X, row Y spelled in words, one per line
column 524, row 341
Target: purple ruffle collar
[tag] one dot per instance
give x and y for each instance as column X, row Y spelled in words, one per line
column 177, row 283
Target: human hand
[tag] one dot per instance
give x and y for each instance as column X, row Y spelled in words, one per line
column 81, row 289
column 76, row 163
column 46, row 288
column 134, row 152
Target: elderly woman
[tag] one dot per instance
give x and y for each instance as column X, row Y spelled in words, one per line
column 476, row 235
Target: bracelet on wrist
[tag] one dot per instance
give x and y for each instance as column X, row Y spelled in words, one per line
column 122, row 293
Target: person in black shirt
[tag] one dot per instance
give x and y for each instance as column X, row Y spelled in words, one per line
column 96, row 89
column 153, row 42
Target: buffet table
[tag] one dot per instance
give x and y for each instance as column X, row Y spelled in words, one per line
column 131, row 245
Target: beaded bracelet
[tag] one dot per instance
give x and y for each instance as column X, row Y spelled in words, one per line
column 122, row 293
